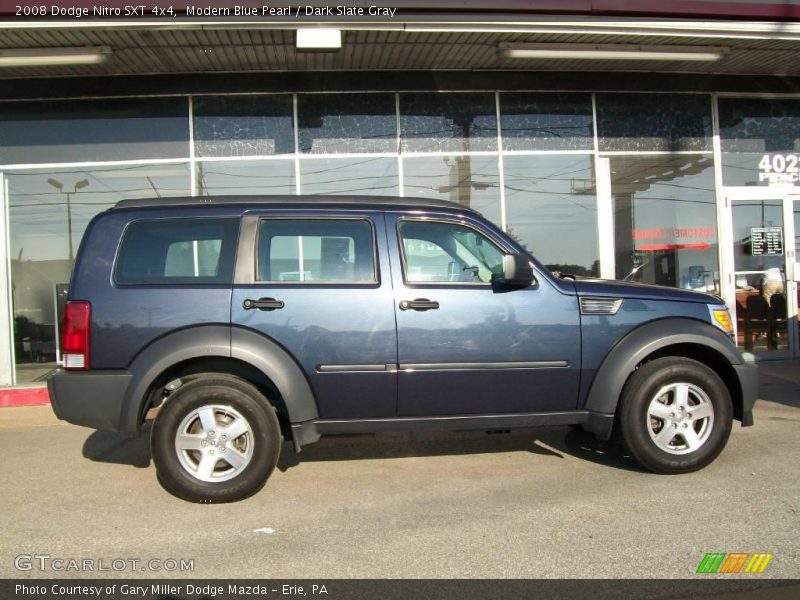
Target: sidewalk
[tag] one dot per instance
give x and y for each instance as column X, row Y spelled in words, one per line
column 779, row 381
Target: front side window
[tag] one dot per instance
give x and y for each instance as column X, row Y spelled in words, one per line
column 316, row 251
column 177, row 251
column 446, row 252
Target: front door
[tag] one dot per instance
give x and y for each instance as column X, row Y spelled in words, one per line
column 762, row 285
column 466, row 346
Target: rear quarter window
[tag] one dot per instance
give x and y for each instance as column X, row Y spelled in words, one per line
column 177, row 252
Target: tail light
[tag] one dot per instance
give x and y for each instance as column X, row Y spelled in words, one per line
column 75, row 335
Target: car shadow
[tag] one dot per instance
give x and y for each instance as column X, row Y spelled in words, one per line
column 110, row 447
column 550, row 442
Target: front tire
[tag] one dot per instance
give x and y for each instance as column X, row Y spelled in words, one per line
column 675, row 415
column 215, row 439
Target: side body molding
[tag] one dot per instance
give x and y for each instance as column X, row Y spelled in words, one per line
column 276, row 363
column 638, row 344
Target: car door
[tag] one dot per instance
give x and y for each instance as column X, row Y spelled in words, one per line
column 465, row 345
column 318, row 285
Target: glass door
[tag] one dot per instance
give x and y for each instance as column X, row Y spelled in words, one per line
column 793, row 290
column 762, row 270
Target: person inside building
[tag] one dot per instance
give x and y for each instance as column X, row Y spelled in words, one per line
column 771, row 284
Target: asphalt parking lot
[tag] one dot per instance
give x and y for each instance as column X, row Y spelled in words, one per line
column 536, row 503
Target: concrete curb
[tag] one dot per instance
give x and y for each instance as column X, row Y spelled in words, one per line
column 24, row 396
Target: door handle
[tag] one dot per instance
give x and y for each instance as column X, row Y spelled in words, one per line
column 419, row 304
column 263, row 304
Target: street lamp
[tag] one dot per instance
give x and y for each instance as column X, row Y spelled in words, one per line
column 79, row 185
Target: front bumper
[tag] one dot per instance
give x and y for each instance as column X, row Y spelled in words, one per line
column 748, row 381
column 89, row 398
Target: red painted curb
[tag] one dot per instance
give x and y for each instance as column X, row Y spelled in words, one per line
column 24, row 396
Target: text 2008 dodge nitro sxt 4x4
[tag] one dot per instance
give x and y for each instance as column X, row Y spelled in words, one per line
column 251, row 319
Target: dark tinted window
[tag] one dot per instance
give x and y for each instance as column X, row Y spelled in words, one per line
column 177, row 251
column 448, row 122
column 243, row 125
column 316, row 251
column 546, row 121
column 90, row 130
column 654, row 122
column 760, row 141
column 336, row 123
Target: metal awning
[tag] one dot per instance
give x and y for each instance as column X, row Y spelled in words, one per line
column 220, row 46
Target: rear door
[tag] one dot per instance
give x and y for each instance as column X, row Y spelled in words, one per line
column 466, row 346
column 318, row 285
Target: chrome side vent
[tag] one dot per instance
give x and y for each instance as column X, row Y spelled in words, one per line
column 600, row 306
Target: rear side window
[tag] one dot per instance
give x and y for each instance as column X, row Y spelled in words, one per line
column 316, row 251
column 177, row 251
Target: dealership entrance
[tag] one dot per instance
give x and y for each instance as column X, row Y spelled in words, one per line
column 761, row 288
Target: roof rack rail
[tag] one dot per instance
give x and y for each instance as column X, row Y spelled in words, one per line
column 294, row 200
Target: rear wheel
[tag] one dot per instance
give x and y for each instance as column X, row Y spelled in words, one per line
column 215, row 439
column 675, row 415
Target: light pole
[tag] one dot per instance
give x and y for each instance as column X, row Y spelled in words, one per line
column 60, row 187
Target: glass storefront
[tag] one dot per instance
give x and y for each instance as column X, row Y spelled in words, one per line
column 665, row 220
column 245, row 177
column 48, row 211
column 473, row 181
column 359, row 175
column 527, row 160
column 662, row 187
column 548, row 200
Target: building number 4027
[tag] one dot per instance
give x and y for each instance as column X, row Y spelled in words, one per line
column 779, row 169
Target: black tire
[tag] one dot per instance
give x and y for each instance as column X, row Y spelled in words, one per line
column 226, row 399
column 665, row 445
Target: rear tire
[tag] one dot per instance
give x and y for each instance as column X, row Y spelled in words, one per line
column 215, row 439
column 675, row 415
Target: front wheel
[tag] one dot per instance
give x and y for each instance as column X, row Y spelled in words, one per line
column 675, row 415
column 215, row 439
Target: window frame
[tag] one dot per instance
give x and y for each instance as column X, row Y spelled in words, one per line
column 228, row 250
column 375, row 282
column 444, row 221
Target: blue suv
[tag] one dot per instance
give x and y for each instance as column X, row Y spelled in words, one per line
column 251, row 320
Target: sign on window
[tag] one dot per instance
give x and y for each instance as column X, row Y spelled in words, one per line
column 766, row 240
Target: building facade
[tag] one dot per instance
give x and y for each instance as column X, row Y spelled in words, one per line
column 672, row 170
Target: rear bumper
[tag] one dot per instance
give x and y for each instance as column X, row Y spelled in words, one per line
column 748, row 380
column 90, row 398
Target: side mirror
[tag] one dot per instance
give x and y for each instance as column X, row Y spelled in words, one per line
column 517, row 271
